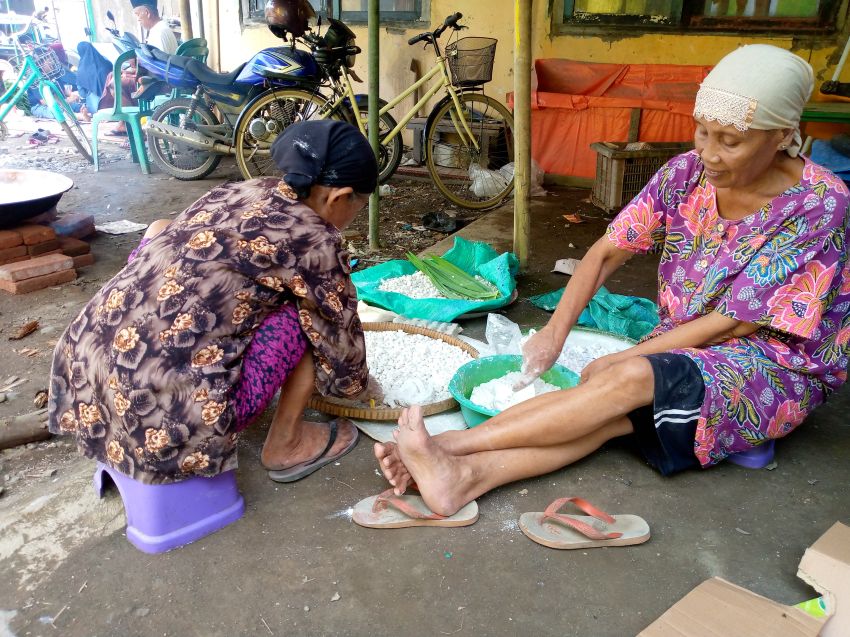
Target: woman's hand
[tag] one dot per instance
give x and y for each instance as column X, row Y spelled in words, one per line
column 539, row 353
column 594, row 367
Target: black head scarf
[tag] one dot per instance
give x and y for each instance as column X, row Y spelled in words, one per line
column 325, row 152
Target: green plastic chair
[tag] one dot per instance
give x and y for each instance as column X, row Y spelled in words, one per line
column 130, row 115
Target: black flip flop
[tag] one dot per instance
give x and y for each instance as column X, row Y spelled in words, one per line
column 304, row 469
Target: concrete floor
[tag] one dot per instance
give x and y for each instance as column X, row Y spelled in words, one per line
column 296, row 565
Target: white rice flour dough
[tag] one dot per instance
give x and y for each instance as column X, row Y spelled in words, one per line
column 415, row 286
column 412, row 369
column 498, row 394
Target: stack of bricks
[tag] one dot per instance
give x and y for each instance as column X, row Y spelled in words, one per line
column 37, row 273
column 33, row 257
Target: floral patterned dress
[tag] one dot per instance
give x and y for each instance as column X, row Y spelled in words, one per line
column 144, row 376
column 784, row 268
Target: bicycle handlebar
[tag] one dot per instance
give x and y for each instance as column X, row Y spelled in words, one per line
column 431, row 36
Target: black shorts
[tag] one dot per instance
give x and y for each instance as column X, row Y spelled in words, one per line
column 665, row 431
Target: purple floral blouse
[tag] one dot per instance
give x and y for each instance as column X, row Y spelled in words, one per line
column 143, row 377
column 784, row 268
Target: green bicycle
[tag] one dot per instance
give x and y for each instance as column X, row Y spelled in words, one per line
column 40, row 66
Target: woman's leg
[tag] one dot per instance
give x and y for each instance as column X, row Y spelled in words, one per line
column 448, row 482
column 154, row 229
column 291, row 439
column 566, row 419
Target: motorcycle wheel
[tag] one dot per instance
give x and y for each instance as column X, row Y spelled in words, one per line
column 266, row 117
column 180, row 160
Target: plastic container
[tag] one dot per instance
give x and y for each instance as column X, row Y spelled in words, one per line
column 623, row 169
column 481, row 370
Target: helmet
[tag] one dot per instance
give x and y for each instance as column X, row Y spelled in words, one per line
column 288, row 16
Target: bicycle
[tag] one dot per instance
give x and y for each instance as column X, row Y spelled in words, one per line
column 39, row 65
column 469, row 136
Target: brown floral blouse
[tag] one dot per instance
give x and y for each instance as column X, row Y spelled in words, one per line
column 142, row 377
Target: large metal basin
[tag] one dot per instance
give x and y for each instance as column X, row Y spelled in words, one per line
column 27, row 193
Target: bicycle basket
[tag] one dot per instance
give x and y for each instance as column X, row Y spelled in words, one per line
column 471, row 60
column 47, row 62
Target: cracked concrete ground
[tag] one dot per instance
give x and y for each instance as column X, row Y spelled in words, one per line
column 296, row 565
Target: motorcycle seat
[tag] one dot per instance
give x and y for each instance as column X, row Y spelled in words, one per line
column 152, row 52
column 206, row 75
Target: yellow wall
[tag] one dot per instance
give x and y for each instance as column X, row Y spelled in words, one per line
column 494, row 18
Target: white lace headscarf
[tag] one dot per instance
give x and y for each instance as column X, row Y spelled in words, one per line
column 757, row 86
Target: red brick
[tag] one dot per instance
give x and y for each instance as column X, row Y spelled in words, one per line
column 38, row 283
column 73, row 247
column 26, row 257
column 82, row 260
column 38, row 266
column 11, row 253
column 76, row 225
column 33, row 234
column 44, row 247
column 10, row 239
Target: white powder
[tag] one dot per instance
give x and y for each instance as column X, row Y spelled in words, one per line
column 498, row 394
column 412, row 369
column 416, row 286
column 577, row 357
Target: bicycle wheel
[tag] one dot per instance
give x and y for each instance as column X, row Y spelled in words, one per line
column 263, row 120
column 468, row 174
column 71, row 126
column 175, row 158
column 390, row 154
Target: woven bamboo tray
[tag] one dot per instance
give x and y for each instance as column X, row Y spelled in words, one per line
column 352, row 409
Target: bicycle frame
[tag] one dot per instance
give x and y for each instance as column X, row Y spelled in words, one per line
column 29, row 75
column 439, row 69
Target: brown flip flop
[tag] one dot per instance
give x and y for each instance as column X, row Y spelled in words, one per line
column 304, row 469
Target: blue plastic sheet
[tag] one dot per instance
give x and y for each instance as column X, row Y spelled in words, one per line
column 477, row 258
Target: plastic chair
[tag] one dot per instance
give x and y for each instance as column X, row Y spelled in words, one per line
column 130, row 115
column 161, row 517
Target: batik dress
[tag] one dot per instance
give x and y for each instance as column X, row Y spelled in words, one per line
column 144, row 376
column 783, row 267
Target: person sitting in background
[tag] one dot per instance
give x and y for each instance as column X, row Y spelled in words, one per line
column 158, row 33
column 39, row 109
column 754, row 290
column 92, row 73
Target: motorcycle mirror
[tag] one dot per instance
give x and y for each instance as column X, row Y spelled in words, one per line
column 110, row 15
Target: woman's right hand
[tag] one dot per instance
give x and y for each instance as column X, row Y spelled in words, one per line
column 539, row 353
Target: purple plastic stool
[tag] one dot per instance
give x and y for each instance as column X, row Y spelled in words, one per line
column 757, row 458
column 161, row 517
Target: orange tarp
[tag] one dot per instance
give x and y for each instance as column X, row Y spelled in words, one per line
column 578, row 103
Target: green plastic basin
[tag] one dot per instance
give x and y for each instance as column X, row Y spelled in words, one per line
column 481, row 370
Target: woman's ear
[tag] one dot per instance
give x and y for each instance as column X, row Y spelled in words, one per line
column 787, row 138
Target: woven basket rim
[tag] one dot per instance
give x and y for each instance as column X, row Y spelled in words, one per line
column 339, row 407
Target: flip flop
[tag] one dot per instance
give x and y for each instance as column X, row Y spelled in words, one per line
column 304, row 469
column 562, row 531
column 390, row 511
column 117, row 133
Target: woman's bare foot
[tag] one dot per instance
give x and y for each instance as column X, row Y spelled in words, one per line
column 306, row 444
column 392, row 467
column 440, row 477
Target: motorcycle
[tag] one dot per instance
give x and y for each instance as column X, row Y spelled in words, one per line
column 188, row 136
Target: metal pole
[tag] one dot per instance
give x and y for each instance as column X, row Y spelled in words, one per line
column 374, row 81
column 186, row 19
column 522, row 128
column 92, row 32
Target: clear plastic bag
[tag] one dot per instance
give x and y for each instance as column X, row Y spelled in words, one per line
column 485, row 182
column 503, row 335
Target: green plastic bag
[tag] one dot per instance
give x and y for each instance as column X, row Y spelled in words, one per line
column 477, row 258
column 631, row 316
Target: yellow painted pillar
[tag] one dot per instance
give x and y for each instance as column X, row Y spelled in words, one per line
column 522, row 129
column 186, row 19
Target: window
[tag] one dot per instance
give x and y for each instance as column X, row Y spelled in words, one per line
column 737, row 15
column 349, row 10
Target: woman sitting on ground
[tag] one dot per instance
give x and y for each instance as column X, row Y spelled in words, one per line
column 753, row 300
column 245, row 293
